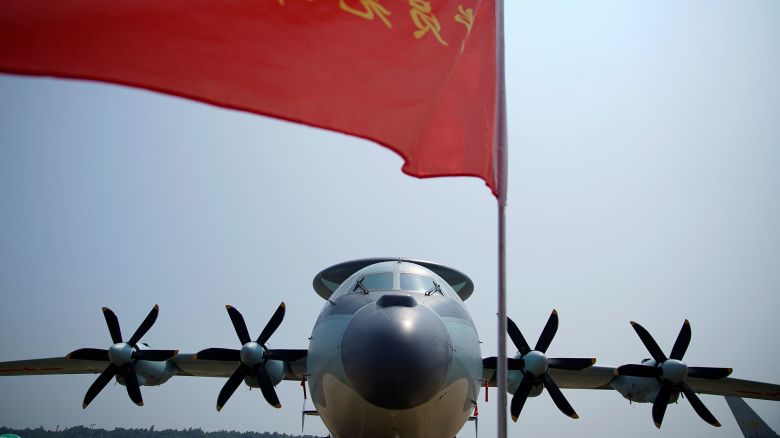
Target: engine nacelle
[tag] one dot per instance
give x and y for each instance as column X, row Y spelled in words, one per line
column 151, row 373
column 640, row 389
column 514, row 377
column 275, row 371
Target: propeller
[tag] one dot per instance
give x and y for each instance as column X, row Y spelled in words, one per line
column 252, row 357
column 534, row 365
column 123, row 357
column 672, row 372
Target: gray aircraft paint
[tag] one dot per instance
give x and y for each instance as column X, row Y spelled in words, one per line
column 750, row 423
column 343, row 409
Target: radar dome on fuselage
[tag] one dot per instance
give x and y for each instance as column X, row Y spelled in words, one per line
column 331, row 279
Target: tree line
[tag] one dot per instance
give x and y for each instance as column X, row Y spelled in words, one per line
column 120, row 432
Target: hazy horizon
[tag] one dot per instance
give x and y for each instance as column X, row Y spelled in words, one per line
column 643, row 185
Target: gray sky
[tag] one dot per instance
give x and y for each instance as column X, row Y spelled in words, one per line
column 643, row 186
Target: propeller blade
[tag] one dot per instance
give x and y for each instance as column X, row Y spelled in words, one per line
column 548, row 333
column 225, row 354
column 681, row 344
column 272, row 325
column 155, row 355
column 698, row 406
column 558, row 397
column 517, row 337
column 99, row 383
column 660, row 403
column 709, row 373
column 285, row 355
column 238, row 324
column 515, row 364
column 520, row 396
column 511, row 363
column 131, row 383
column 146, row 324
column 638, row 371
column 266, row 386
column 113, row 325
column 89, row 354
column 650, row 344
column 568, row 363
column 490, row 362
column 230, row 386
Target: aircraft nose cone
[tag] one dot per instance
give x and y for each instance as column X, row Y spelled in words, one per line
column 396, row 354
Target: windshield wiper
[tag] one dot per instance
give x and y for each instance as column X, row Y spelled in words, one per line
column 359, row 285
column 434, row 289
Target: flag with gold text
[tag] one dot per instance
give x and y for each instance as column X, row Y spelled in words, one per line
column 416, row 76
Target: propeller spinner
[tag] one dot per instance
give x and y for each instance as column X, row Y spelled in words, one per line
column 123, row 357
column 672, row 372
column 252, row 357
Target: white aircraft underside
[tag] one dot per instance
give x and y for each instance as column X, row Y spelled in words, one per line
column 394, row 353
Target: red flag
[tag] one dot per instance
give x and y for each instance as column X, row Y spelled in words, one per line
column 417, row 76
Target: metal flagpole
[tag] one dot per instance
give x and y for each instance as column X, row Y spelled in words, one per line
column 500, row 173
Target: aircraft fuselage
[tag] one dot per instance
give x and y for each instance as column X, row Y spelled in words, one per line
column 394, row 353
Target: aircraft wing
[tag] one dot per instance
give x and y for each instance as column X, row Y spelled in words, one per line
column 595, row 377
column 51, row 365
column 751, row 424
column 188, row 365
column 736, row 388
column 184, row 365
column 599, row 377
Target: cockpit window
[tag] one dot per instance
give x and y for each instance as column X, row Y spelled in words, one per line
column 383, row 281
column 417, row 283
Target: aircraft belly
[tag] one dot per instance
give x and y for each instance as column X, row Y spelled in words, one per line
column 347, row 415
